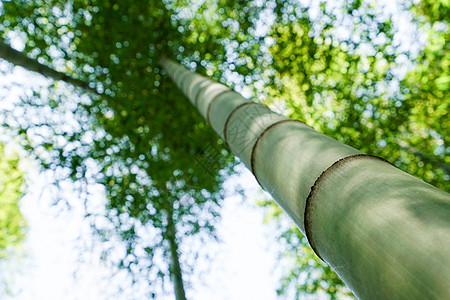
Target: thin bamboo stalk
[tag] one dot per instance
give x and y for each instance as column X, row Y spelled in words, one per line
column 21, row 59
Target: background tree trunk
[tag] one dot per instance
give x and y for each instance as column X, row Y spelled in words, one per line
column 21, row 59
column 384, row 232
column 175, row 269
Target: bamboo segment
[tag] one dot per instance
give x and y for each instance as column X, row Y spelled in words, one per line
column 245, row 126
column 384, row 232
column 194, row 86
column 208, row 94
column 289, row 158
column 221, row 108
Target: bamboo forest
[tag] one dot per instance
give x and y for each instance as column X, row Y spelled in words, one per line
column 143, row 116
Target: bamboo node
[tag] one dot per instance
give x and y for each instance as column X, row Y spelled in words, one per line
column 309, row 206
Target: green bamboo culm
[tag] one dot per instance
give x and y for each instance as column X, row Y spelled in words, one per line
column 384, row 232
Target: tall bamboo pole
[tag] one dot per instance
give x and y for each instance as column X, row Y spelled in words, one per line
column 384, row 232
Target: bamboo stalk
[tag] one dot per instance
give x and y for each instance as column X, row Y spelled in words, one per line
column 384, row 232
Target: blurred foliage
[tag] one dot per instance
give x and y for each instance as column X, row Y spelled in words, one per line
column 433, row 10
column 427, row 88
column 12, row 223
